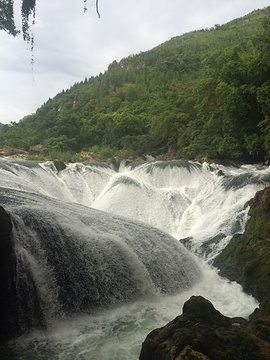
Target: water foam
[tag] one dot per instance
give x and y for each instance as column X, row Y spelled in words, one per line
column 204, row 204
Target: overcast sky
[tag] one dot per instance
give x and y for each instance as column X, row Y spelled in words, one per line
column 71, row 45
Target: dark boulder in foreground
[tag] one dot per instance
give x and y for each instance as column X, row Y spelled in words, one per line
column 17, row 313
column 7, row 272
column 246, row 259
column 203, row 333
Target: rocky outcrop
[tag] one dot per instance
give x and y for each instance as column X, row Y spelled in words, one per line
column 20, row 309
column 8, row 151
column 247, row 257
column 203, row 333
column 7, row 271
column 36, row 149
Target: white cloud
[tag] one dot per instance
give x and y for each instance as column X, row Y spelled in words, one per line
column 71, row 45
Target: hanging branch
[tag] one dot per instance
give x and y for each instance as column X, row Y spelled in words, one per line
column 97, row 9
column 96, row 4
column 28, row 8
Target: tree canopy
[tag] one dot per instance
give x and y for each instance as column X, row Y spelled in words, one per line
column 205, row 93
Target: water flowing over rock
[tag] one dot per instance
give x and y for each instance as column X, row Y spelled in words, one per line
column 19, row 301
column 202, row 332
column 70, row 259
column 96, row 258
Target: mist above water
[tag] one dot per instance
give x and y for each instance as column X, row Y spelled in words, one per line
column 203, row 205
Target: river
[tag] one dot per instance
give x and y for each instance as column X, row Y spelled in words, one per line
column 114, row 253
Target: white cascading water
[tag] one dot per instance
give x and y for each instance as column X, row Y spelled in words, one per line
column 203, row 205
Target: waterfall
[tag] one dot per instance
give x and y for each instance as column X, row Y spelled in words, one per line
column 118, row 252
column 83, row 258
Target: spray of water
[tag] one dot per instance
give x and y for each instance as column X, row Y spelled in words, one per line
column 201, row 205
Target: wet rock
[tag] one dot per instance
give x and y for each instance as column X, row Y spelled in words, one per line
column 220, row 173
column 203, row 333
column 8, row 316
column 60, row 165
column 262, row 311
column 246, row 259
column 18, row 313
column 201, row 310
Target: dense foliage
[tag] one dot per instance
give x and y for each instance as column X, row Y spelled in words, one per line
column 205, row 93
column 7, row 17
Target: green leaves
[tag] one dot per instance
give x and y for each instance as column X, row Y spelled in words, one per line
column 7, row 17
column 60, row 143
column 204, row 93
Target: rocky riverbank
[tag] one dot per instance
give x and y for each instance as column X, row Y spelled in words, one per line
column 247, row 257
column 201, row 332
column 38, row 152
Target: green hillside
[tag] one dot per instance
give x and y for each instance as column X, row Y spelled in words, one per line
column 205, row 93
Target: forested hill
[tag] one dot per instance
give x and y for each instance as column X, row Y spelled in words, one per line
column 205, row 93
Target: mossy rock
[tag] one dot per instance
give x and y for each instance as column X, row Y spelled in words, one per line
column 246, row 259
column 59, row 165
column 203, row 333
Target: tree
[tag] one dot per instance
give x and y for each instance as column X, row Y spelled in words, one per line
column 7, row 17
column 27, row 12
column 181, row 96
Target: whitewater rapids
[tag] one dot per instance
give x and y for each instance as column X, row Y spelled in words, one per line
column 202, row 205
